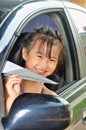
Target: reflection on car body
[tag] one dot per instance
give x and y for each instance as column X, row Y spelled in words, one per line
column 70, row 19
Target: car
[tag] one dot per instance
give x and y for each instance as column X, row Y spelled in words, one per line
column 21, row 16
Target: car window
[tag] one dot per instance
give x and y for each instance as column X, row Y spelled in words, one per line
column 54, row 20
column 36, row 22
column 79, row 18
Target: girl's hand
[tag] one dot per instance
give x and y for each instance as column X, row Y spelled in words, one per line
column 12, row 90
column 12, row 86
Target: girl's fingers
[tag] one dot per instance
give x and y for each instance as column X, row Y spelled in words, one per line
column 14, row 79
column 12, row 85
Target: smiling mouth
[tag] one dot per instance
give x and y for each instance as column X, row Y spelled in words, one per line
column 41, row 72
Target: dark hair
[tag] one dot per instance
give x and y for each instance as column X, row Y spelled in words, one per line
column 45, row 34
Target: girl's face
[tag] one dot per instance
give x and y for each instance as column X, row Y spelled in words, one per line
column 38, row 62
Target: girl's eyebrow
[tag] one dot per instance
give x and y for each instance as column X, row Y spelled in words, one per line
column 40, row 52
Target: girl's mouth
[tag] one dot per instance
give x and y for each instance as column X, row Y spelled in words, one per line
column 40, row 72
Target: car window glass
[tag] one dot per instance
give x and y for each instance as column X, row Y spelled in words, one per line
column 79, row 18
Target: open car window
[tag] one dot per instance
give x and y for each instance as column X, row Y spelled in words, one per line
column 56, row 21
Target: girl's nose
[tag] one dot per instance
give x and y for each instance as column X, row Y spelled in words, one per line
column 44, row 63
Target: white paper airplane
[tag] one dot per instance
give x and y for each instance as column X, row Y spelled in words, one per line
column 11, row 68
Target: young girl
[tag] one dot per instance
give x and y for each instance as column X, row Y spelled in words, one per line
column 41, row 51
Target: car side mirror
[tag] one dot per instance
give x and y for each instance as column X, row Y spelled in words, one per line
column 37, row 111
column 84, row 117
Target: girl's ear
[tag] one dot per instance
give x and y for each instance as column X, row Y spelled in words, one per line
column 24, row 53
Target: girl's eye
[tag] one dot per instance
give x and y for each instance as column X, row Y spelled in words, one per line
column 53, row 60
column 40, row 56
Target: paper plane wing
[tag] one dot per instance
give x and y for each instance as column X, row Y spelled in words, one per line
column 11, row 68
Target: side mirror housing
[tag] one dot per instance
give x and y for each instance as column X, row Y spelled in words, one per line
column 37, row 111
